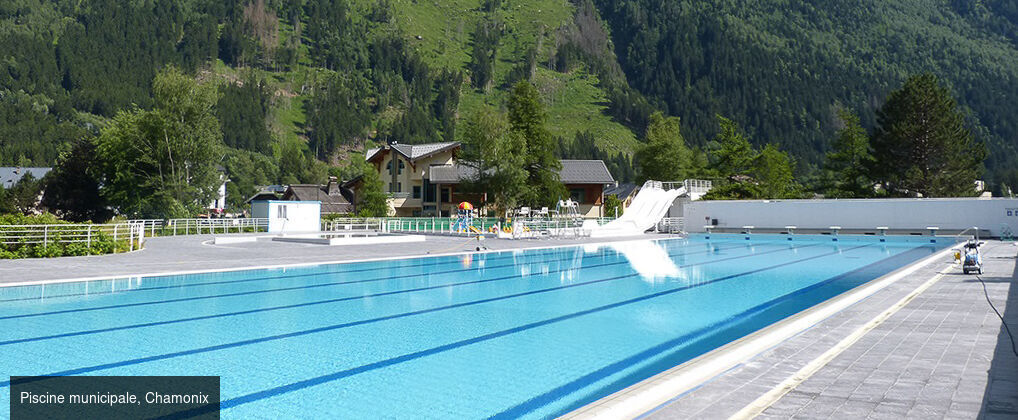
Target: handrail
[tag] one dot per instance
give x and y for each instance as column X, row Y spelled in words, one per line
column 71, row 233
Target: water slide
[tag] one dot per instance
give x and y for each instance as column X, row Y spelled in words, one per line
column 648, row 208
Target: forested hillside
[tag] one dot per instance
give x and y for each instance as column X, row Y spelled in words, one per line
column 782, row 69
column 306, row 84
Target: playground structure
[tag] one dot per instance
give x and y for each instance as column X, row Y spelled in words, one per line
column 465, row 219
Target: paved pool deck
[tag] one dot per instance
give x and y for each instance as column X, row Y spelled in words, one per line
column 944, row 355
column 196, row 252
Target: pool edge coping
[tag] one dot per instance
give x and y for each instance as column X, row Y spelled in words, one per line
column 309, row 264
column 651, row 394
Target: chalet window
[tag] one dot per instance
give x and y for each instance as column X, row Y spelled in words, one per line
column 388, row 166
column 578, row 195
column 429, row 191
column 281, row 212
column 417, row 191
column 446, row 193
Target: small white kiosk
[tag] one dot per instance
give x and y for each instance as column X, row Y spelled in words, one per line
column 289, row 216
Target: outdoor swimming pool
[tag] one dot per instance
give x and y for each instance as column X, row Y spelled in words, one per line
column 532, row 333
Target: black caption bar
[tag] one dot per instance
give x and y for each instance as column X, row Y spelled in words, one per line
column 114, row 397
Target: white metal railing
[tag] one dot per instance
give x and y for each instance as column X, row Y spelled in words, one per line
column 671, row 225
column 339, row 225
column 211, row 226
column 45, row 235
column 697, row 186
column 692, row 186
column 533, row 227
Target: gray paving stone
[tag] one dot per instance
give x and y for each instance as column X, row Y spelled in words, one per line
column 941, row 356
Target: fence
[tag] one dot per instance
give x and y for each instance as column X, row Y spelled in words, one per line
column 542, row 227
column 173, row 227
column 133, row 233
column 671, row 225
column 211, row 226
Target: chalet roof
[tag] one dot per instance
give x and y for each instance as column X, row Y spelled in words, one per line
column 585, row 172
column 451, row 174
column 622, row 191
column 573, row 172
column 414, row 151
column 10, row 175
column 334, row 199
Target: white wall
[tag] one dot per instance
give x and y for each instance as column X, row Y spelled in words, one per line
column 956, row 213
column 289, row 216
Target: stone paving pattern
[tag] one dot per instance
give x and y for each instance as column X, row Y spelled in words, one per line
column 944, row 355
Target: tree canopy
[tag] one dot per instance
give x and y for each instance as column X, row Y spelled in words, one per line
column 922, row 145
column 164, row 162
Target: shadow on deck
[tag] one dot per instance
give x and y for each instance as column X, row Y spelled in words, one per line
column 1000, row 400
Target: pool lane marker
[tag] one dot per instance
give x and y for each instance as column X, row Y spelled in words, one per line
column 321, row 263
column 320, row 285
column 658, row 391
column 358, row 297
column 255, row 396
column 164, row 356
column 285, row 276
column 677, row 343
column 761, row 404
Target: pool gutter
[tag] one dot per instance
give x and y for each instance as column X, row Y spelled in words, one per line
column 649, row 395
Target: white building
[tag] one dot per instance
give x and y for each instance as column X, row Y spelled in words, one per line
column 289, row 216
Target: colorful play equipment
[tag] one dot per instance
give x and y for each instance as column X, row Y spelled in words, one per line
column 465, row 219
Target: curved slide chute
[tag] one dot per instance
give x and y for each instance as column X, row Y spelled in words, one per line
column 648, row 208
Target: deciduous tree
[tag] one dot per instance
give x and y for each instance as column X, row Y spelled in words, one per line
column 164, row 162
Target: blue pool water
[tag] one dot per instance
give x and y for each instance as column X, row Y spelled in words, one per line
column 533, row 333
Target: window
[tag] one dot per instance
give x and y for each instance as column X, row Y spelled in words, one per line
column 429, row 191
column 281, row 212
column 401, row 165
column 578, row 195
column 446, row 193
column 417, row 191
column 399, row 187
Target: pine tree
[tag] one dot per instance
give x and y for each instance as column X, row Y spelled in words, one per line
column 665, row 156
column 736, row 155
column 847, row 166
column 922, row 145
column 527, row 120
column 773, row 173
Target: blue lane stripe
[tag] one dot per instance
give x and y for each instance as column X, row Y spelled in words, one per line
column 94, row 368
column 287, row 289
column 295, row 386
column 328, row 301
column 246, row 280
column 865, row 274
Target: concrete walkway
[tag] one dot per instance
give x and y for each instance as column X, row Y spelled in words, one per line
column 944, row 355
column 188, row 253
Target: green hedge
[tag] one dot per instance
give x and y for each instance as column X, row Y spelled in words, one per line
column 100, row 244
